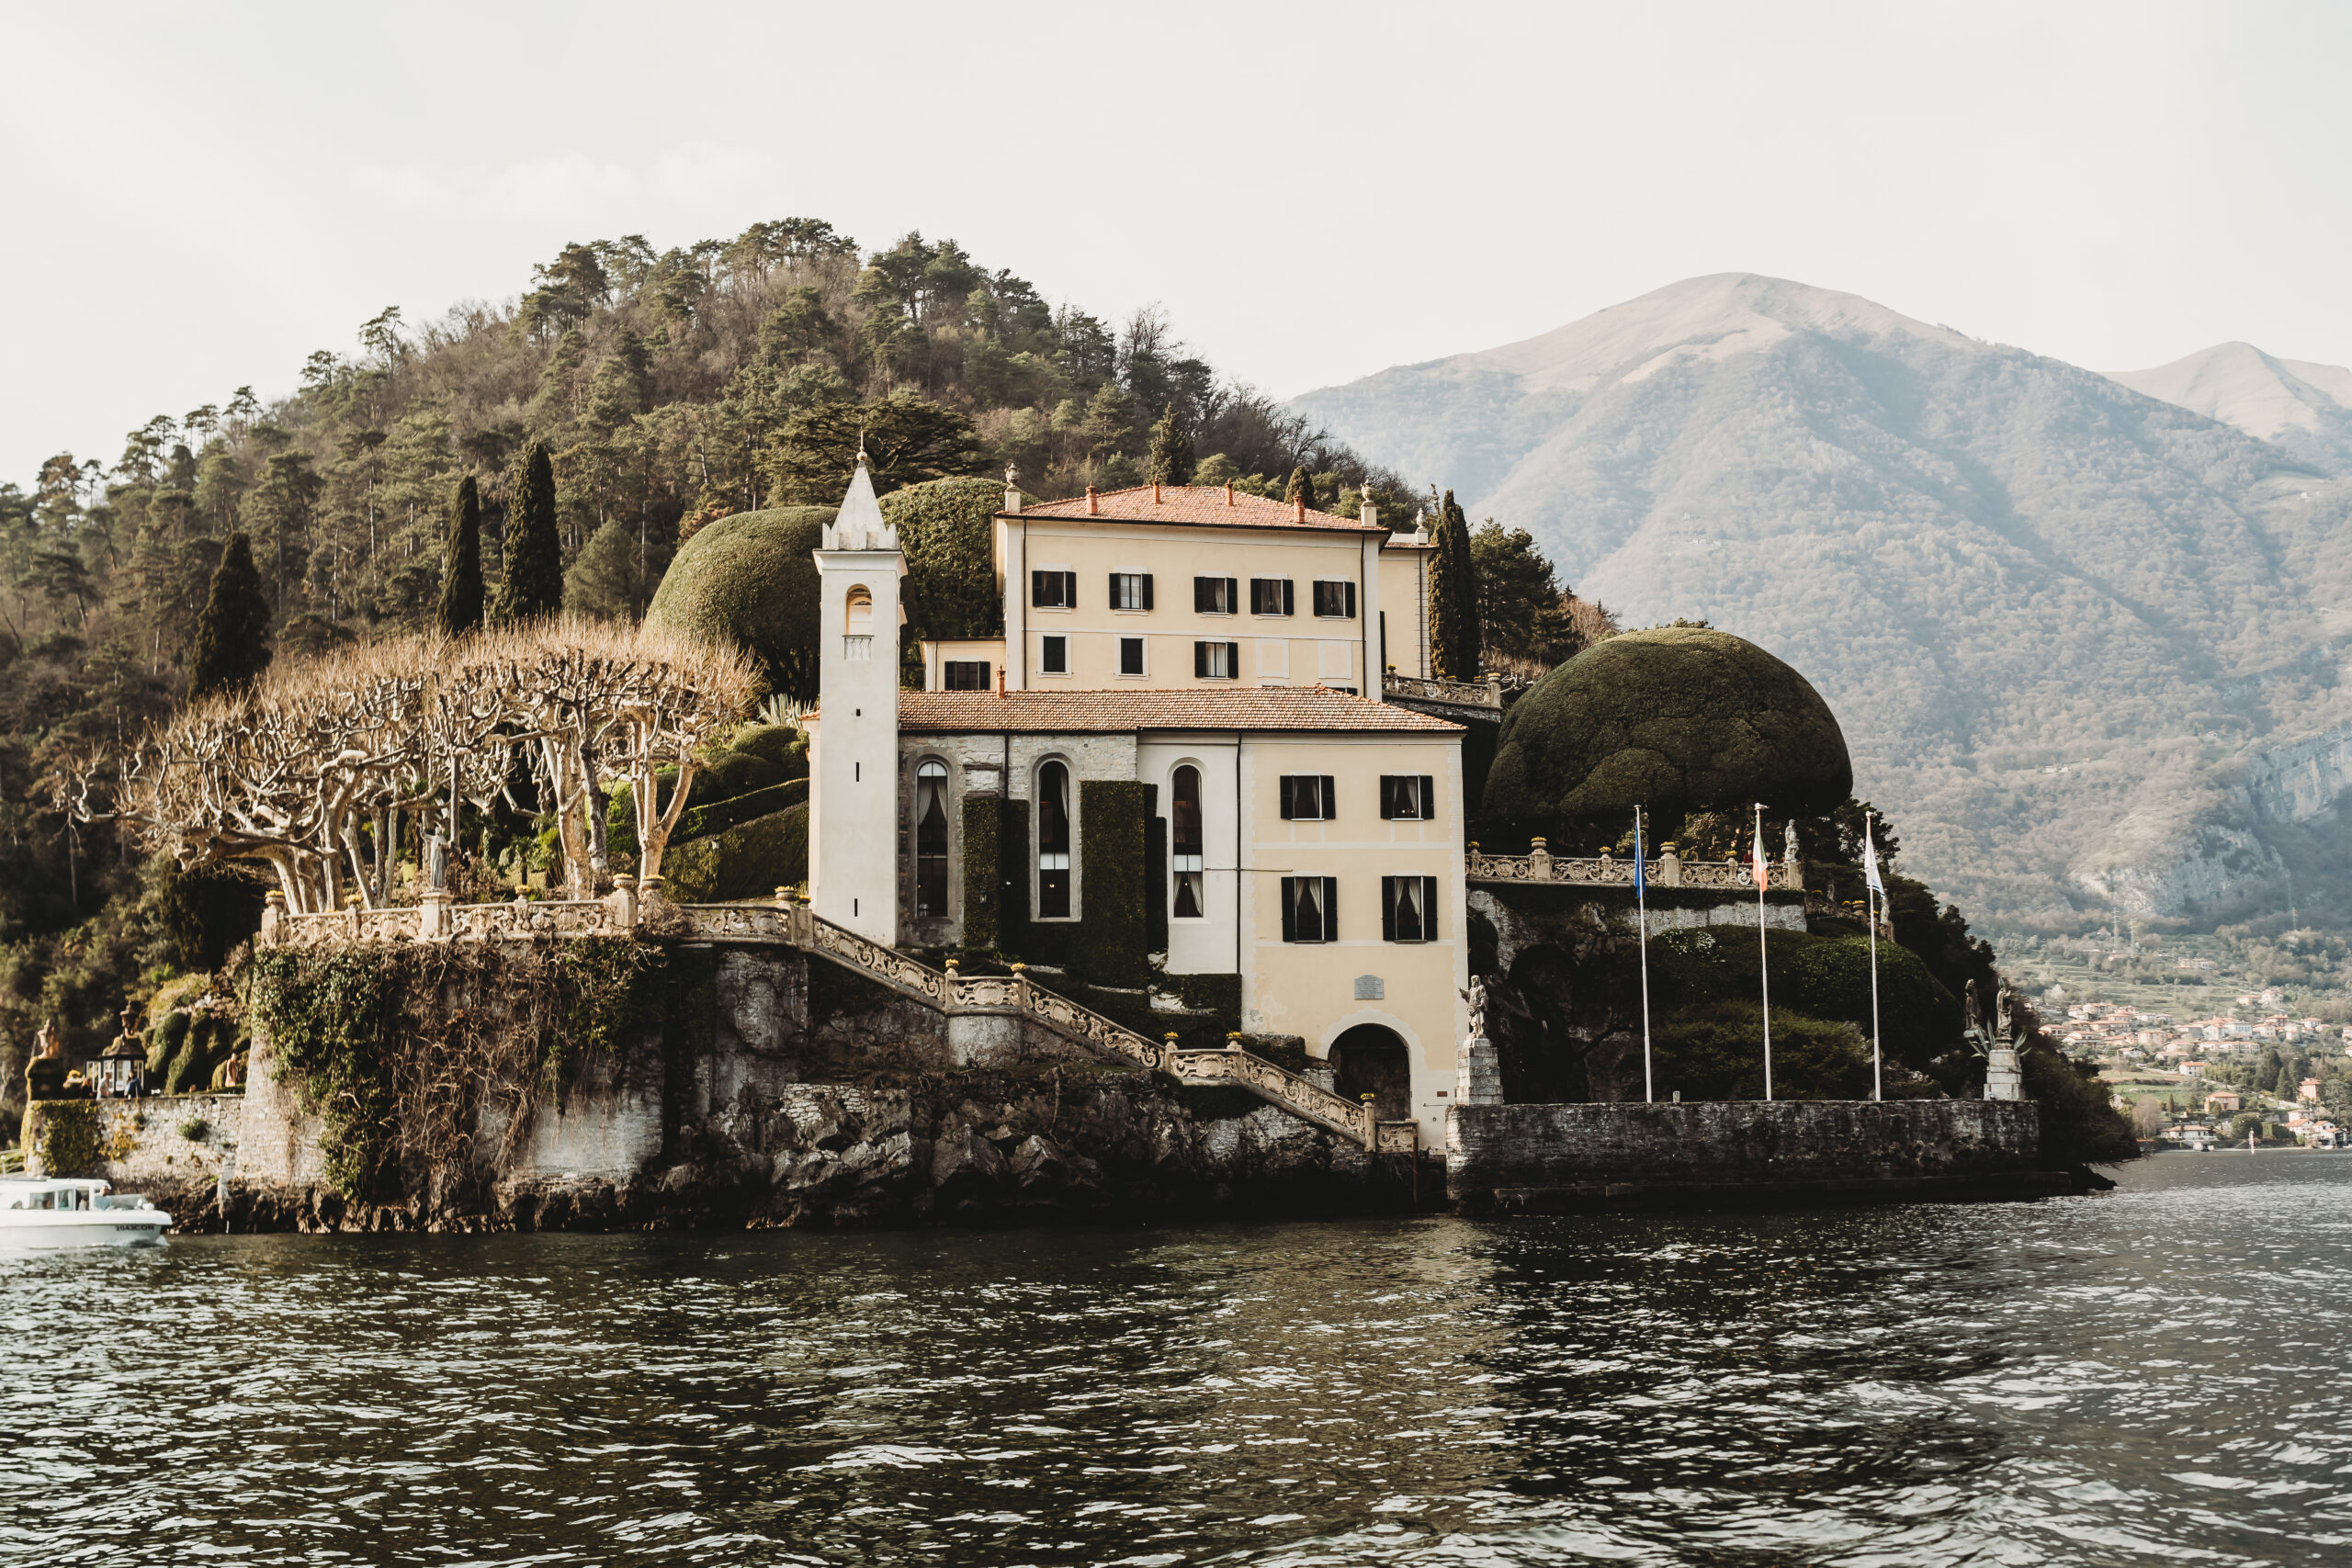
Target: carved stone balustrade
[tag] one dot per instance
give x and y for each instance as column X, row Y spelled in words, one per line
column 1487, row 694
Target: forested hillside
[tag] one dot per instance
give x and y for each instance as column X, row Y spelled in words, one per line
column 668, row 387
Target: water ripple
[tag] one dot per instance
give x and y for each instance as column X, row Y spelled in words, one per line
column 2148, row 1375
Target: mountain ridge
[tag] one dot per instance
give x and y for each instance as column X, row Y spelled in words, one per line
column 1993, row 562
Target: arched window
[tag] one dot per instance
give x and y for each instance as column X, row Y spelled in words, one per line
column 1052, row 841
column 1186, row 848
column 861, row 612
column 931, row 840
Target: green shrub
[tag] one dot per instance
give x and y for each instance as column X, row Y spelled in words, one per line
column 947, row 529
column 1716, row 1051
column 701, row 821
column 1676, row 719
column 62, row 1135
column 751, row 860
column 196, row 1129
column 751, row 580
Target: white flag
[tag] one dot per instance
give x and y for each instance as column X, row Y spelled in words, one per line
column 1763, row 871
column 1869, row 862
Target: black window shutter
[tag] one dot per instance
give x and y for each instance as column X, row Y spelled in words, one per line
column 1146, row 590
column 1289, row 783
column 1112, row 601
column 1200, row 660
column 1233, row 660
column 1428, row 798
column 1330, row 797
column 1387, row 797
column 1352, row 600
column 1036, row 588
column 1388, row 908
column 1331, row 909
column 1233, row 594
column 1200, row 594
column 1289, row 603
column 1069, row 590
column 1289, row 909
column 1428, row 909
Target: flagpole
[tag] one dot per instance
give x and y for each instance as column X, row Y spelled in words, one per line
column 1869, row 897
column 1642, row 917
column 1763, row 953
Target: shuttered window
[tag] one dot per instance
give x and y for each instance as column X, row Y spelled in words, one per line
column 1408, row 797
column 1054, row 590
column 1131, row 591
column 1409, row 909
column 1216, row 661
column 1310, row 798
column 1310, row 909
column 1213, row 595
column 1335, row 600
column 1270, row 596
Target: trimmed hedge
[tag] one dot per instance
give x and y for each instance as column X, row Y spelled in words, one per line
column 1676, row 719
column 983, row 870
column 749, row 861
column 701, row 821
column 947, row 529
column 751, row 580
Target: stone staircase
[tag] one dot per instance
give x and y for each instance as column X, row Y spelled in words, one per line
column 625, row 913
column 1017, row 995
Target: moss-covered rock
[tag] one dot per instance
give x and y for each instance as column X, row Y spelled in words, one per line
column 751, row 580
column 1676, row 719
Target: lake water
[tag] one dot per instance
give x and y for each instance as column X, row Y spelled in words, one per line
column 2159, row 1373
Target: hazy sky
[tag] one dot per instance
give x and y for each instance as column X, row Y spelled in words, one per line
column 197, row 198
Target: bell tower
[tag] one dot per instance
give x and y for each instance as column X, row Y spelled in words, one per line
column 854, row 754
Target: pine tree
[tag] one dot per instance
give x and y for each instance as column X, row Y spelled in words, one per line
column 1454, row 638
column 532, row 585
column 1170, row 459
column 231, row 645
column 461, row 585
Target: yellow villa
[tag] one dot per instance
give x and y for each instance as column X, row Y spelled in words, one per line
column 1174, row 771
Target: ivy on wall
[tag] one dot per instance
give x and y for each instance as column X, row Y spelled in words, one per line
column 400, row 1048
column 983, row 870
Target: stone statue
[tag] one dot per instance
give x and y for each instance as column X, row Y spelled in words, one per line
column 1476, row 997
column 1973, row 1021
column 2006, row 1002
column 436, row 863
column 125, row 1018
column 45, row 1041
column 1789, row 855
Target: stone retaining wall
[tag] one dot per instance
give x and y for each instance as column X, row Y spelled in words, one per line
column 171, row 1147
column 1546, row 1156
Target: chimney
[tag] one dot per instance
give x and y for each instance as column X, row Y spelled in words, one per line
column 1012, row 487
column 1155, row 492
column 1302, row 505
column 1229, row 492
column 1094, row 507
column 1000, row 680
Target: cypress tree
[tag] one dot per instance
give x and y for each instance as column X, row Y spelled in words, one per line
column 533, row 586
column 1454, row 638
column 231, row 645
column 1172, row 450
column 461, row 586
column 1299, row 485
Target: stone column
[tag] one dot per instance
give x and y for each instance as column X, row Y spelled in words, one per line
column 273, row 917
column 623, row 901
column 433, row 921
column 2004, row 1079
column 1539, row 860
column 1479, row 1079
column 1669, row 866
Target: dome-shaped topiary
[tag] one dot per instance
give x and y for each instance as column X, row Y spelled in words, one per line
column 751, row 580
column 1675, row 720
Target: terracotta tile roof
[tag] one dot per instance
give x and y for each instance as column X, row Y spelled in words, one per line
column 1201, row 505
column 1189, row 707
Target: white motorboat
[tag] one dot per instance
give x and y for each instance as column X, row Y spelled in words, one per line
column 75, row 1212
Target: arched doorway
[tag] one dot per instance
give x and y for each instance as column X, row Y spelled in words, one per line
column 1370, row 1059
